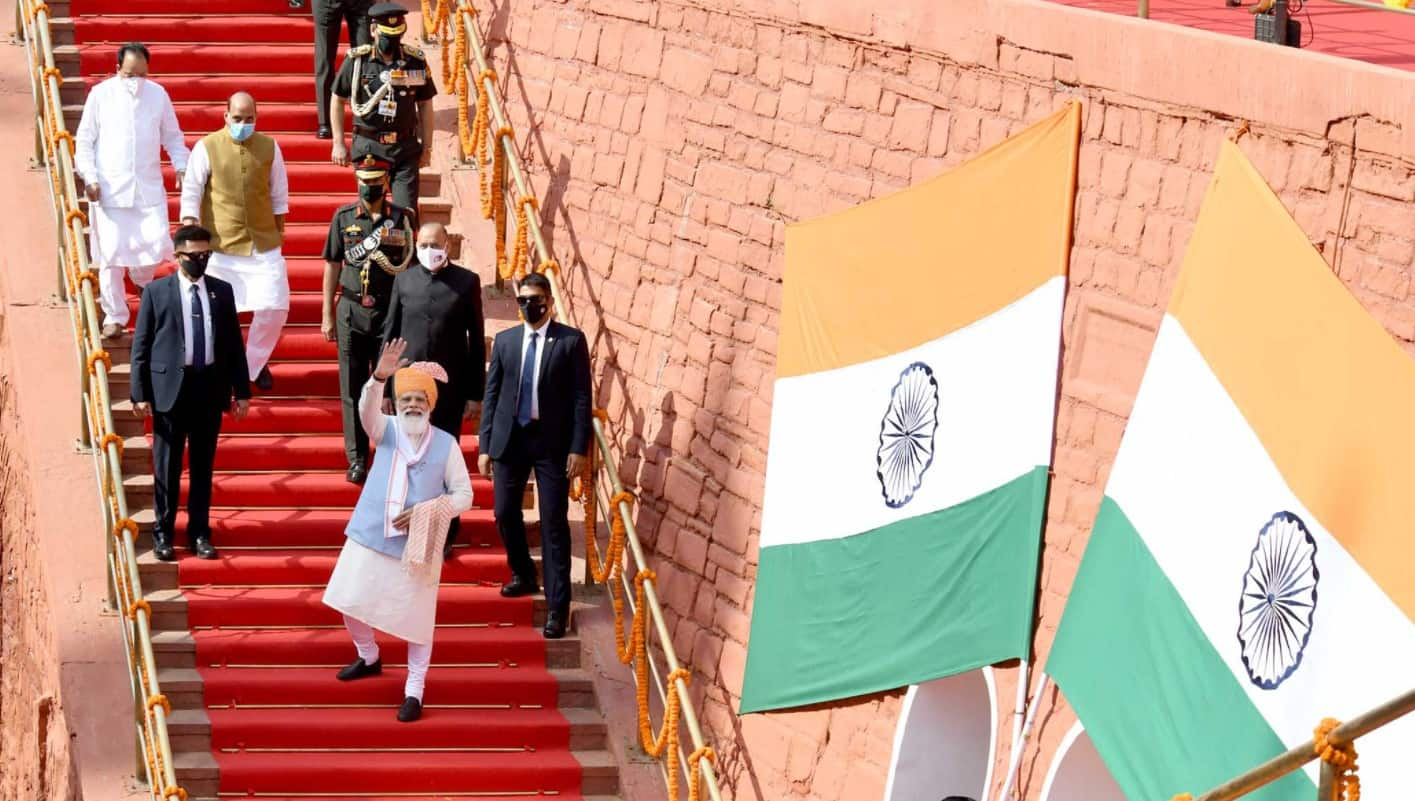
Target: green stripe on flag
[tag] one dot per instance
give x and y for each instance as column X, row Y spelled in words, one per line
column 1164, row 711
column 920, row 599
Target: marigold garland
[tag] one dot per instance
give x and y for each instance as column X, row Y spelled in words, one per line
column 481, row 138
column 1342, row 758
column 498, row 198
column 520, row 257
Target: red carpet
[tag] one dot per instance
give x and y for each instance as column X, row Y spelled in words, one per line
column 1372, row 35
column 266, row 647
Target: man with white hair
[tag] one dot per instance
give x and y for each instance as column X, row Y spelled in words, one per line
column 126, row 119
column 388, row 571
column 237, row 186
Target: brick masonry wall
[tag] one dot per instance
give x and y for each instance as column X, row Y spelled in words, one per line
column 34, row 737
column 672, row 141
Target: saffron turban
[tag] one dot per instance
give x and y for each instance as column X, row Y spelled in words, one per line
column 419, row 377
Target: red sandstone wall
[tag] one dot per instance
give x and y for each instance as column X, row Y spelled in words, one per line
column 671, row 142
column 35, row 761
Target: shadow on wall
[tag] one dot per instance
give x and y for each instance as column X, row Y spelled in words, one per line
column 1077, row 772
column 639, row 453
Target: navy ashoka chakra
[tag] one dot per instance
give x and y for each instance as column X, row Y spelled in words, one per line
column 906, row 434
column 1278, row 600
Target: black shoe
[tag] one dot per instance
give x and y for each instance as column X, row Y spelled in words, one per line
column 360, row 669
column 554, row 626
column 518, row 586
column 264, row 380
column 356, row 473
column 411, row 710
column 162, row 549
column 201, row 546
column 324, row 133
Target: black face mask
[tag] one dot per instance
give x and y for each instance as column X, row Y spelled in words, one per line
column 388, row 45
column 371, row 193
column 194, row 264
column 532, row 308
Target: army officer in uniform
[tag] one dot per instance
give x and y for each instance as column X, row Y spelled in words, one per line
column 390, row 88
column 369, row 242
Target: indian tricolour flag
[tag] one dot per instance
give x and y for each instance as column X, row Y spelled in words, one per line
column 911, row 428
column 1252, row 567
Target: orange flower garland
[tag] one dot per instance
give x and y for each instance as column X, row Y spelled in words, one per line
column 1341, row 757
column 520, row 258
column 498, row 198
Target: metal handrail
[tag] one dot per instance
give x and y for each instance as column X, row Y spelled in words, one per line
column 1296, row 757
column 77, row 286
column 478, row 66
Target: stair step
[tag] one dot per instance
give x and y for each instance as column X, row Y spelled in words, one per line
column 331, row 647
column 316, row 209
column 173, row 61
column 231, row 607
column 205, row 27
column 183, row 8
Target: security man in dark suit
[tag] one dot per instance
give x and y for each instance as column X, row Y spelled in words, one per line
column 390, row 88
column 436, row 309
column 369, row 242
column 329, row 16
column 536, row 416
column 188, row 361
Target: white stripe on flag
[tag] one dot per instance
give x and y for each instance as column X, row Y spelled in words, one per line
column 996, row 402
column 1198, row 486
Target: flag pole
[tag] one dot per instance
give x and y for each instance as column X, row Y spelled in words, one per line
column 1014, row 760
column 1020, row 709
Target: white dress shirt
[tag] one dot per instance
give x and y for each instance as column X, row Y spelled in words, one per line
column 540, row 354
column 186, row 285
column 199, row 172
column 117, row 144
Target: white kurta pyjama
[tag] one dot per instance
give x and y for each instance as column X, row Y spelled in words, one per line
column 259, row 280
column 374, row 587
column 118, row 147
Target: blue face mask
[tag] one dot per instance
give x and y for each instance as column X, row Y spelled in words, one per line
column 241, row 131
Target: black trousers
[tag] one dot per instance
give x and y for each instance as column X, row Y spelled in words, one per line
column 195, row 421
column 526, row 451
column 447, row 415
column 328, row 15
column 404, row 173
column 358, row 352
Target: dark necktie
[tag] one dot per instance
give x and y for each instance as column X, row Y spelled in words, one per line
column 198, row 331
column 527, row 392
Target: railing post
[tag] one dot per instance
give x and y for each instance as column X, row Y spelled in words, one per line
column 1143, row 12
column 1326, row 787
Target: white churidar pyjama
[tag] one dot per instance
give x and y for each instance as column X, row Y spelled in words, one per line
column 419, row 655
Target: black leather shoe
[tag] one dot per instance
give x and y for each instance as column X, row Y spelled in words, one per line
column 554, row 626
column 518, row 586
column 356, row 473
column 360, row 669
column 411, row 710
column 201, row 546
column 264, row 380
column 324, row 133
column 162, row 549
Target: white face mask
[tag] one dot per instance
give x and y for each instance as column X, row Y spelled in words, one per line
column 132, row 83
column 414, row 425
column 433, row 258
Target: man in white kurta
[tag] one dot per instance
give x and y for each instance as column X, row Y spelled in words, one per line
column 236, row 185
column 388, row 571
column 126, row 119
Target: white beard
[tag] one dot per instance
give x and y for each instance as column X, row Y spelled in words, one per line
column 413, row 425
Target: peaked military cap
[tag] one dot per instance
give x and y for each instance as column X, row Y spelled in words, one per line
column 370, row 167
column 389, row 17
